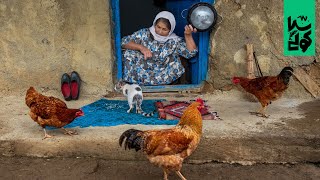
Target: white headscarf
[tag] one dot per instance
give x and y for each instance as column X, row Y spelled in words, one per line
column 167, row 15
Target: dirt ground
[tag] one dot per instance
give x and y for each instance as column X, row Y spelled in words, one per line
column 94, row 168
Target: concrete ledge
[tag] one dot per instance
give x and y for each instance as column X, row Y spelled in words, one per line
column 232, row 150
column 289, row 135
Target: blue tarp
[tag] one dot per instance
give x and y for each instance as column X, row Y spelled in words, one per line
column 106, row 112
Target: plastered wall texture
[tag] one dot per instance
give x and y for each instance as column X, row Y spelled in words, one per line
column 260, row 23
column 42, row 39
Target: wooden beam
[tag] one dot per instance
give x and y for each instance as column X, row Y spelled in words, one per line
column 250, row 68
column 310, row 85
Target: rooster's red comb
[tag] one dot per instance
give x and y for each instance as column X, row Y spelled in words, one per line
column 200, row 101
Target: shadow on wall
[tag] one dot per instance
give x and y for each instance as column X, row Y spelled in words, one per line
column 143, row 13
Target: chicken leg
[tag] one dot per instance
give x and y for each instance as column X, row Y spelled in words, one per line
column 165, row 174
column 260, row 112
column 46, row 135
column 69, row 132
column 263, row 112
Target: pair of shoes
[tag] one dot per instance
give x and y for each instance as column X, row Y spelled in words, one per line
column 70, row 86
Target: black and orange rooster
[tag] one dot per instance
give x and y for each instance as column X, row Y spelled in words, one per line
column 267, row 88
column 167, row 148
column 50, row 111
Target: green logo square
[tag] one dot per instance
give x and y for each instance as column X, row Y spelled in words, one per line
column 299, row 28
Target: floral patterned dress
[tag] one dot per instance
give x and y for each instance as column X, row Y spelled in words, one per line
column 163, row 68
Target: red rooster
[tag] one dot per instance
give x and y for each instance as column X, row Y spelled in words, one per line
column 267, row 88
column 50, row 111
column 167, row 148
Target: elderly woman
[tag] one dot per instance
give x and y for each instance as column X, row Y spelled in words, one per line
column 151, row 55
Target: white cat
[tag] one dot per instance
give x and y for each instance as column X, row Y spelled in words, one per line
column 134, row 95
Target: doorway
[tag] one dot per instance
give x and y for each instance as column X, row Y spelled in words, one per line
column 130, row 16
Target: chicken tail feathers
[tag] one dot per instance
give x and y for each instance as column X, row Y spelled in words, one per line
column 132, row 139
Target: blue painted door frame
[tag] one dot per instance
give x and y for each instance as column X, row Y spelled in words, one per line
column 199, row 64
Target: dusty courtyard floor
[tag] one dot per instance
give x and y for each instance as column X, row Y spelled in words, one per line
column 289, row 135
column 25, row 168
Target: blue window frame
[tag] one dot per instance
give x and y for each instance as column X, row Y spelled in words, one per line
column 198, row 65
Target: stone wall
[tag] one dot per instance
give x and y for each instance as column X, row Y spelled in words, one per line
column 42, row 39
column 260, row 23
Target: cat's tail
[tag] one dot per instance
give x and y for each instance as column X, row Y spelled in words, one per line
column 147, row 114
column 138, row 99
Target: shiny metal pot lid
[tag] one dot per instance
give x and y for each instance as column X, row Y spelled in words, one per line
column 202, row 16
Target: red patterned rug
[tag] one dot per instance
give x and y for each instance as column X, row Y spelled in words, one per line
column 174, row 110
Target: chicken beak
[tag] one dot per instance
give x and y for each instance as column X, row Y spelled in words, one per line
column 81, row 113
column 293, row 73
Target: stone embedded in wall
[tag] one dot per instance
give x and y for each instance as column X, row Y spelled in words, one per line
column 240, row 56
column 261, row 26
column 239, row 13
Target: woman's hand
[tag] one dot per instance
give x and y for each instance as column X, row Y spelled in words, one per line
column 188, row 30
column 134, row 46
column 146, row 52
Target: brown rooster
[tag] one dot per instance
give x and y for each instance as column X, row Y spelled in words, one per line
column 167, row 148
column 50, row 111
column 267, row 88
